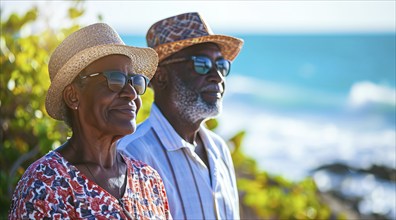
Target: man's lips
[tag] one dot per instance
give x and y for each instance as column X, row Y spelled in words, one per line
column 216, row 94
column 215, row 90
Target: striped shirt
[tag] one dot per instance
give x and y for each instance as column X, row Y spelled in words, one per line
column 193, row 190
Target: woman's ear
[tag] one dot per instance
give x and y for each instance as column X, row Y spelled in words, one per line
column 70, row 96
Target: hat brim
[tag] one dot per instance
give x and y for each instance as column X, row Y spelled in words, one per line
column 144, row 61
column 229, row 46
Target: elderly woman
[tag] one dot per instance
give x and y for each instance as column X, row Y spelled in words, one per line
column 96, row 81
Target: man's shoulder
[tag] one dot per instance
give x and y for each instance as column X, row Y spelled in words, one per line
column 214, row 136
column 221, row 146
column 141, row 132
column 140, row 144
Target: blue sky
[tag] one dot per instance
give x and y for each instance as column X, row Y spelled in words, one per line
column 134, row 17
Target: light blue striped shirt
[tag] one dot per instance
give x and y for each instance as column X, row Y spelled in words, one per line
column 190, row 191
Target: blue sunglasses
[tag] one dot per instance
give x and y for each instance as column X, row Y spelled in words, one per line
column 203, row 64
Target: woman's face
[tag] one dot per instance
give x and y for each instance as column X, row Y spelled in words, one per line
column 102, row 110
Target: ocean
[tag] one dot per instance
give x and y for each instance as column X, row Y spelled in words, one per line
column 314, row 99
column 309, row 100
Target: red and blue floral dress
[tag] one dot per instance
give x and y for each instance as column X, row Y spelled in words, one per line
column 52, row 188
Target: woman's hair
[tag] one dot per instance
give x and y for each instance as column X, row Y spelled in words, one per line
column 68, row 117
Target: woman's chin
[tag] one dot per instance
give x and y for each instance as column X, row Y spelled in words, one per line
column 124, row 128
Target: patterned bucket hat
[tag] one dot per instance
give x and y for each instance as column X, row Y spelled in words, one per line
column 80, row 49
column 172, row 34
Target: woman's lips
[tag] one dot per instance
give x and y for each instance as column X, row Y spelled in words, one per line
column 129, row 110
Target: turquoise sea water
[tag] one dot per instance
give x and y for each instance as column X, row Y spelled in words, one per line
column 309, row 100
column 317, row 73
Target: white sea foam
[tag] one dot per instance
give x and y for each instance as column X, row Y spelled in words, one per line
column 366, row 92
column 292, row 146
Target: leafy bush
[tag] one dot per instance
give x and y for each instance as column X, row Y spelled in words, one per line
column 272, row 197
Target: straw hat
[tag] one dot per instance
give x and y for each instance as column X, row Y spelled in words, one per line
column 172, row 34
column 82, row 48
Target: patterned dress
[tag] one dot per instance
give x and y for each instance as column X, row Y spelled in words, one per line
column 52, row 188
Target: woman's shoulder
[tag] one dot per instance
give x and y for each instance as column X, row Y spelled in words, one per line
column 132, row 162
column 139, row 167
column 49, row 170
column 46, row 181
column 50, row 164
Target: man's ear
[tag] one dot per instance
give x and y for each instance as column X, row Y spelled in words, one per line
column 70, row 96
column 160, row 79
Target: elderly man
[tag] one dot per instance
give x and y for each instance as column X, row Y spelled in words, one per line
column 195, row 163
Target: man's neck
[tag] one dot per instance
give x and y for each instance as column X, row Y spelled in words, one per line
column 186, row 129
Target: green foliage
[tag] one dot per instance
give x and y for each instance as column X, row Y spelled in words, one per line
column 272, row 197
column 211, row 124
column 147, row 100
column 27, row 132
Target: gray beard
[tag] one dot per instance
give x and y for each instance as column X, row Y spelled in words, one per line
column 190, row 105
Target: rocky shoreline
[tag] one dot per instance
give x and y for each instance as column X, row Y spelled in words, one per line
column 360, row 193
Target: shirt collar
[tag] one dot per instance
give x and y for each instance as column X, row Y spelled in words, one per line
column 166, row 133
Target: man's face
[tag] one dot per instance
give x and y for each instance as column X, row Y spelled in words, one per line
column 197, row 96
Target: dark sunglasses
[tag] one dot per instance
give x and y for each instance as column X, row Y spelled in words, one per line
column 203, row 64
column 117, row 80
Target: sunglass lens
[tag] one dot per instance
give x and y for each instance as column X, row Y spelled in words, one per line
column 116, row 81
column 139, row 84
column 202, row 65
column 223, row 66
